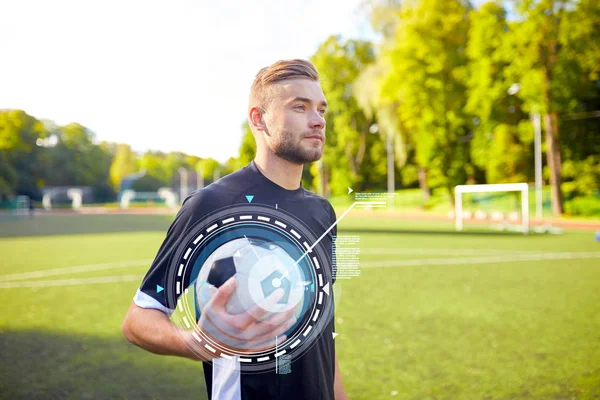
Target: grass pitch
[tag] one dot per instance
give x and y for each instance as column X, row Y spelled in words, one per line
column 434, row 314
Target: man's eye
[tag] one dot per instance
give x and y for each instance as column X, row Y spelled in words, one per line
column 299, row 107
column 322, row 111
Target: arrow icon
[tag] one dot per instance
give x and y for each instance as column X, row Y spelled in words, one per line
column 350, row 190
column 334, row 334
column 249, row 198
column 159, row 288
column 326, row 288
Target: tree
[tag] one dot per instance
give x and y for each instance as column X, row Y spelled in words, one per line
column 427, row 66
column 246, row 152
column 558, row 56
column 154, row 165
column 19, row 131
column 343, row 165
column 248, row 145
column 75, row 160
column 367, row 93
column 208, row 167
column 385, row 17
column 8, row 177
column 503, row 135
column 123, row 164
column 19, row 153
column 581, row 149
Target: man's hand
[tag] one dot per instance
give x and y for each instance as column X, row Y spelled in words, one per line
column 255, row 330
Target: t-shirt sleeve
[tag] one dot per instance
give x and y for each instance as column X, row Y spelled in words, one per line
column 151, row 292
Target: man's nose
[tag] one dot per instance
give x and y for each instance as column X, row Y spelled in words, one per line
column 317, row 121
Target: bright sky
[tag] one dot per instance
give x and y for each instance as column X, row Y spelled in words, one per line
column 162, row 75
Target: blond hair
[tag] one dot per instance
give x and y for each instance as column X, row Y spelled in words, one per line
column 280, row 71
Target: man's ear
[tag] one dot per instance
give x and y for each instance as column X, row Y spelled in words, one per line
column 256, row 118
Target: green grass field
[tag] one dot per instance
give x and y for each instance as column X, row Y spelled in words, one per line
column 434, row 314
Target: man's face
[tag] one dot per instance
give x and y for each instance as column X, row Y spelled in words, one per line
column 295, row 120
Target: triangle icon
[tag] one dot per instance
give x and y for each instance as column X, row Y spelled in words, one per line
column 249, row 198
column 334, row 334
column 350, row 190
column 159, row 288
column 326, row 288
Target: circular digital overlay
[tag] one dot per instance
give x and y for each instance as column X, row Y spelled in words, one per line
column 279, row 268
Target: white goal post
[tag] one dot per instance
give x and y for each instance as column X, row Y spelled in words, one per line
column 501, row 187
column 163, row 193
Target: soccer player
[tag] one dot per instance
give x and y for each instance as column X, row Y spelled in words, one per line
column 287, row 116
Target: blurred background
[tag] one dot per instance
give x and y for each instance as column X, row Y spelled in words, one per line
column 112, row 112
column 424, row 96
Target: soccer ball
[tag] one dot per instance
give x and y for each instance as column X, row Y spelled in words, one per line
column 259, row 268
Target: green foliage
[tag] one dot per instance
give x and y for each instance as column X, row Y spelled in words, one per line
column 366, row 91
column 427, row 67
column 561, row 37
column 580, row 138
column 76, row 160
column 410, row 176
column 8, row 177
column 448, row 69
column 346, row 159
column 36, row 154
column 557, row 63
column 19, row 152
column 384, row 15
column 498, row 147
column 489, row 53
column 582, row 177
column 588, row 206
column 124, row 164
column 438, row 84
column 248, row 145
column 173, row 162
column 155, row 166
column 207, row 167
column 19, row 131
column 247, row 151
column 502, row 155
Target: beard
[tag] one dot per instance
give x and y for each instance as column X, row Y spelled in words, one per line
column 288, row 146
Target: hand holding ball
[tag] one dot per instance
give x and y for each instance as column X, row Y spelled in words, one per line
column 248, row 293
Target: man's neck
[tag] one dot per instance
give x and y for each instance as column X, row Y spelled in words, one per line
column 284, row 173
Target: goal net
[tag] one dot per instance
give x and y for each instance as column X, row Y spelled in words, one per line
column 506, row 204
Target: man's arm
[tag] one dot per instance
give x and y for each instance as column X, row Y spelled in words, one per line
column 338, row 386
column 153, row 331
column 147, row 324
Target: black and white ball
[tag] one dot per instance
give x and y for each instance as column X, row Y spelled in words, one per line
column 259, row 268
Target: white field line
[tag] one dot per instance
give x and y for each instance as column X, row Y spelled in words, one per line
column 435, row 251
column 483, row 260
column 490, row 259
column 77, row 269
column 135, row 263
column 71, row 282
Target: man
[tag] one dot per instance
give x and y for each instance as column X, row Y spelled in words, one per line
column 287, row 117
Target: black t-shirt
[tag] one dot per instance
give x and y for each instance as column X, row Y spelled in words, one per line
column 312, row 374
